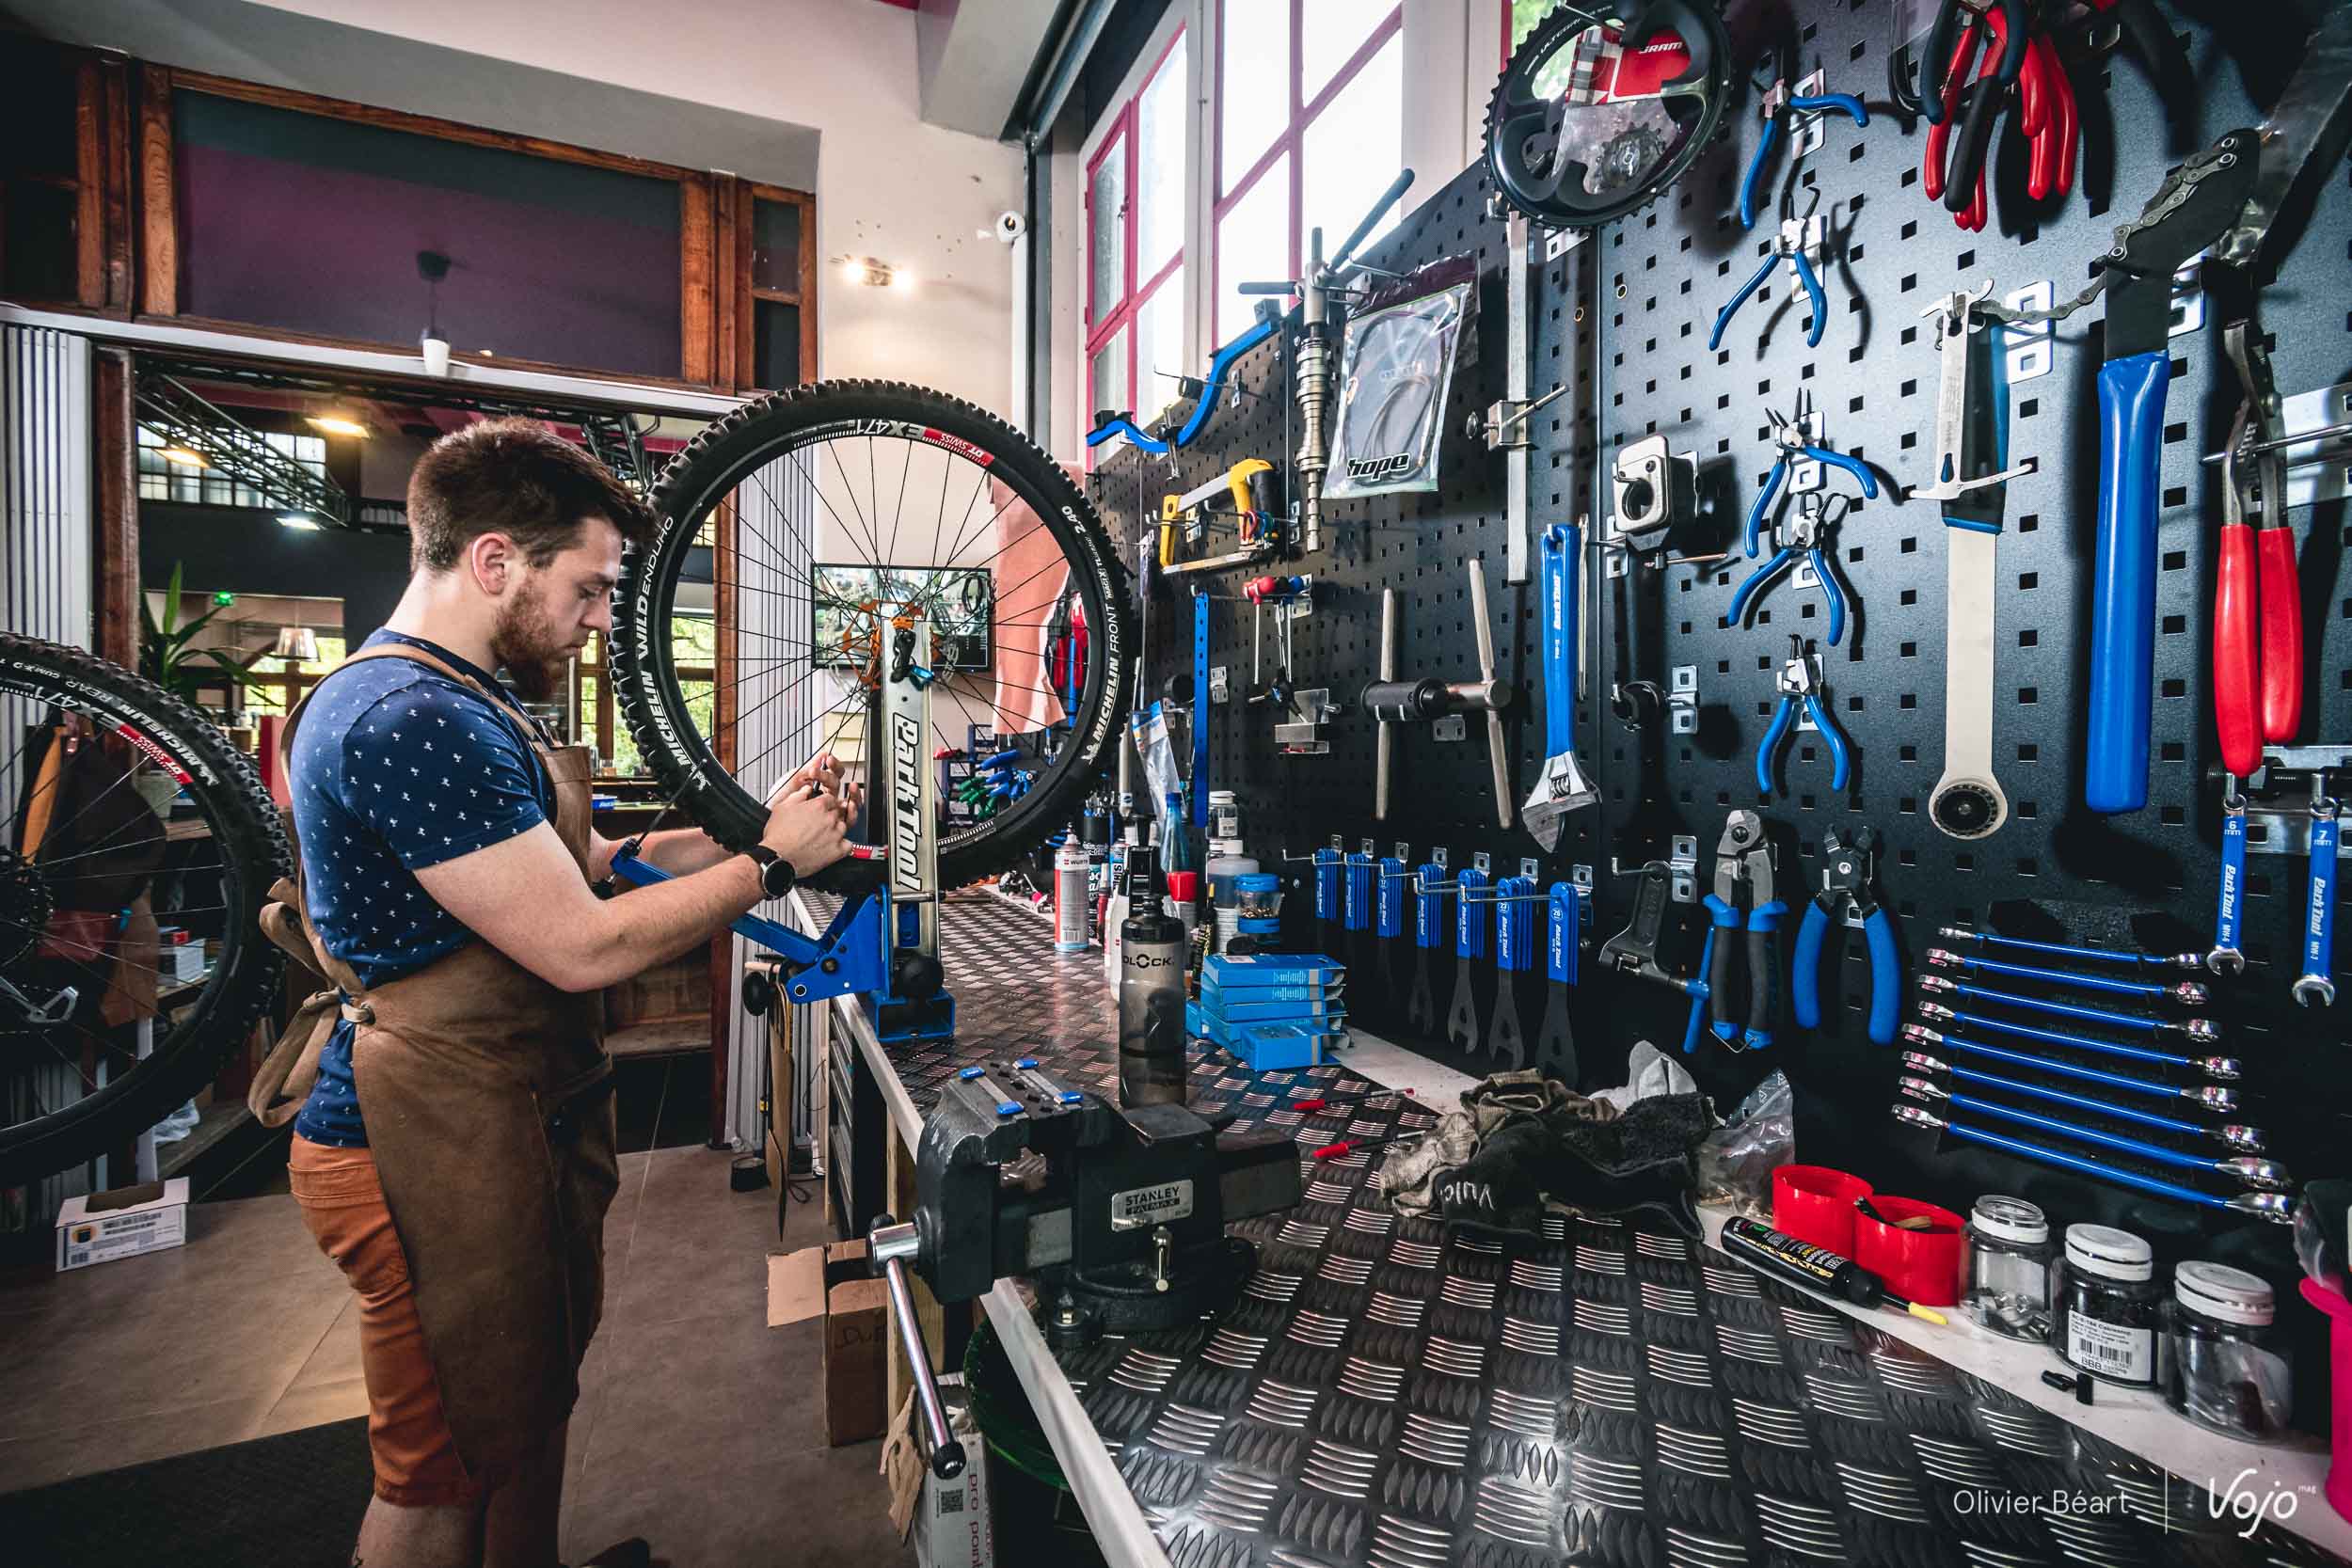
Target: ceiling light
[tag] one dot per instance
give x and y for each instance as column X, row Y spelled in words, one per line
column 297, row 519
column 335, row 424
column 187, row 457
column 869, row 271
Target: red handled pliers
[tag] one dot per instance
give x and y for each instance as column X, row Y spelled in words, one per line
column 2258, row 593
column 2015, row 53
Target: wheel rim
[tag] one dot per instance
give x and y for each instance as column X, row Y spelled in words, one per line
column 99, row 844
column 829, row 531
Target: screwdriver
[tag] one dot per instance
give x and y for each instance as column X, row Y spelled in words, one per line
column 1816, row 1267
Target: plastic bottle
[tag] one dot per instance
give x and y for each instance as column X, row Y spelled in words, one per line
column 1070, row 899
column 1151, row 993
column 1226, row 866
column 1115, row 911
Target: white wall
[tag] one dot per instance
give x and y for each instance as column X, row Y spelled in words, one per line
column 1453, row 53
column 888, row 186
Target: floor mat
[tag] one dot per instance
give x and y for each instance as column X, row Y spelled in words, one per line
column 289, row 1501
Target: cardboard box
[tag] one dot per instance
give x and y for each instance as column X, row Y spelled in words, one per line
column 103, row 1227
column 833, row 1282
column 952, row 1526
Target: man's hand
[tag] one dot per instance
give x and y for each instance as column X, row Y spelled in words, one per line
column 809, row 827
column 823, row 773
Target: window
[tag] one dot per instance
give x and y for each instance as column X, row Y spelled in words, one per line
column 175, row 479
column 1135, row 216
column 1309, row 129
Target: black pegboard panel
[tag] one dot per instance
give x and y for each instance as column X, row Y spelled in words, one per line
column 1623, row 321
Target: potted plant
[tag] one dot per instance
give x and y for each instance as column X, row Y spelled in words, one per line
column 167, row 658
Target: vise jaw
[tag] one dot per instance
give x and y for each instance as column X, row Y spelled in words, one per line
column 1119, row 1214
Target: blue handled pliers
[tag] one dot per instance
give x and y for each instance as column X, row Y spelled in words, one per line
column 1805, row 533
column 1845, row 881
column 1801, row 682
column 1776, row 109
column 1789, row 246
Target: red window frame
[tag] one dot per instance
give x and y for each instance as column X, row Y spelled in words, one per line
column 1135, row 293
column 1286, row 141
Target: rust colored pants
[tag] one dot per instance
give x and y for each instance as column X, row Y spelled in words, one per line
column 343, row 1202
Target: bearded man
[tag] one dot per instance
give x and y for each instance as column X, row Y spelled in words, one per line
column 453, row 1124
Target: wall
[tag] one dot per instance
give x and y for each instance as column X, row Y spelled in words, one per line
column 888, row 186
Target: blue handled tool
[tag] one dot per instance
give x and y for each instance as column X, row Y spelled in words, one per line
column 1788, row 245
column 1514, row 901
column 1805, row 532
column 1743, row 896
column 2226, row 1068
column 1846, row 879
column 2250, row 1170
column 1432, row 887
column 1800, row 681
column 1774, row 106
column 2211, row 1096
column 1471, row 947
column 2278, row 1207
column 2234, row 1135
column 2227, row 958
column 2195, row 1028
column 2099, row 954
column 1564, row 914
column 1206, row 398
column 1562, row 787
column 2186, row 993
column 2316, row 985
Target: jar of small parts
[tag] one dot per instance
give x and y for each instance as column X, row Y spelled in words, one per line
column 2105, row 1306
column 2009, row 1268
column 2225, row 1365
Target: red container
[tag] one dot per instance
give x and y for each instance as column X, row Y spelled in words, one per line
column 1815, row 1203
column 1920, row 1265
column 2339, row 1312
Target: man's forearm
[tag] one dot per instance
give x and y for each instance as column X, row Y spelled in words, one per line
column 681, row 850
column 651, row 925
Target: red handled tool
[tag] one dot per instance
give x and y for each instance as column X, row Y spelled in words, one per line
column 2258, row 593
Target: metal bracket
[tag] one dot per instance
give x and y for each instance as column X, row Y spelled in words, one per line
column 2025, row 346
column 1451, row 726
column 1805, row 133
column 1651, row 486
column 1220, row 687
column 1580, row 876
column 1682, row 699
column 1529, row 867
column 1683, row 857
column 1483, row 862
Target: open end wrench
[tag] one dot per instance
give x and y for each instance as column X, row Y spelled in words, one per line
column 2316, row 987
column 2247, row 1169
column 2226, row 957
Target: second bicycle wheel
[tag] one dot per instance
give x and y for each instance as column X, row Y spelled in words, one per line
column 824, row 514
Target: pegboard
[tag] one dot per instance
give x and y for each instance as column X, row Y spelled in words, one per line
column 1623, row 321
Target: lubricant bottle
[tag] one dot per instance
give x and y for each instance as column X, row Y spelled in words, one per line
column 1072, row 902
column 1150, row 992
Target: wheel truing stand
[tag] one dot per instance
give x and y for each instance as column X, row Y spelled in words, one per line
column 883, row 945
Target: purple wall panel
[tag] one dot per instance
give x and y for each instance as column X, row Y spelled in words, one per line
column 332, row 251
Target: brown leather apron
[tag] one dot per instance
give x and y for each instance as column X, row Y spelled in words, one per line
column 487, row 1094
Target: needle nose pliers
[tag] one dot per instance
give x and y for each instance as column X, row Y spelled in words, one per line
column 1845, row 883
column 1779, row 104
column 1788, row 247
column 1743, row 867
column 1805, row 533
column 1800, row 681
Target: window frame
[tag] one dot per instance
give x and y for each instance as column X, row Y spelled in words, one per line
column 1287, row 141
column 1116, row 135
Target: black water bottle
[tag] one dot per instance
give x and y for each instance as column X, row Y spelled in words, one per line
column 1150, row 992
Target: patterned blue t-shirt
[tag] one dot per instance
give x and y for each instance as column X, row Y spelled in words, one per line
column 397, row 768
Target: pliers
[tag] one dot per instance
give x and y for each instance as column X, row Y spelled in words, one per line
column 1789, row 246
column 1743, row 865
column 1779, row 102
column 1805, row 533
column 1949, row 101
column 2258, row 598
column 1800, row 681
column 1846, row 882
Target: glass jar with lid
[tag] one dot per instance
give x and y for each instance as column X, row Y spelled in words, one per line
column 2009, row 1268
column 2225, row 1365
column 2105, row 1305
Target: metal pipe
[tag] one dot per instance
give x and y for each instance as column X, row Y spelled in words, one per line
column 890, row 1246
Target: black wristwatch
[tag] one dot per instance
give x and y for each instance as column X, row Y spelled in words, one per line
column 776, row 876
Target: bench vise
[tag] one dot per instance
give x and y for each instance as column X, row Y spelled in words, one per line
column 1119, row 1214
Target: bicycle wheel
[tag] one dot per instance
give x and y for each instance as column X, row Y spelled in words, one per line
column 89, row 758
column 829, row 512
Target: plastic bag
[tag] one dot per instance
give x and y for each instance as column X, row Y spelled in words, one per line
column 1396, row 366
column 1148, row 729
column 1735, row 1161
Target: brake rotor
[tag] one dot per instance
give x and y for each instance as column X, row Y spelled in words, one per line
column 1577, row 131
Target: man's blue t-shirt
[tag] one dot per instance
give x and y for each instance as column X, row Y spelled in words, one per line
column 397, row 768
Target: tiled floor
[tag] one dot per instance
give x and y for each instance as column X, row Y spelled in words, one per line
column 698, row 1427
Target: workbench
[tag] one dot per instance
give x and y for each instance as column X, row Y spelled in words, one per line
column 1382, row 1394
